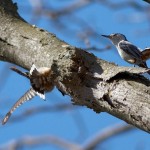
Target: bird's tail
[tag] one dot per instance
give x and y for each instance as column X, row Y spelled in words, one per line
column 146, row 54
column 26, row 97
column 144, row 65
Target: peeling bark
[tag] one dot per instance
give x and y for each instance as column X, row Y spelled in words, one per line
column 91, row 82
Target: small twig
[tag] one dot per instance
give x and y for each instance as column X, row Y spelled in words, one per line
column 106, row 134
column 121, row 5
column 30, row 141
column 41, row 109
column 68, row 9
column 98, row 49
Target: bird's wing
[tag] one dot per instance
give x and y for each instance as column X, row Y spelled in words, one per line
column 26, row 97
column 25, row 74
column 130, row 49
column 33, row 70
column 35, row 76
column 38, row 87
column 146, row 54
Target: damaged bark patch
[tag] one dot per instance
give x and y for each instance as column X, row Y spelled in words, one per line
column 110, row 73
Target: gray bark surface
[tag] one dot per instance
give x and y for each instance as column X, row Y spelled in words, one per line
column 90, row 81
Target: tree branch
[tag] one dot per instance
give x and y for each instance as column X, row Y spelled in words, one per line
column 89, row 81
column 29, row 141
column 42, row 109
column 105, row 134
column 148, row 1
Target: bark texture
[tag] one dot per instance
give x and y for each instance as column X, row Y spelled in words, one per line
column 90, row 81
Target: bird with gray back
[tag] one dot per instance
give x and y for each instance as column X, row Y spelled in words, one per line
column 128, row 52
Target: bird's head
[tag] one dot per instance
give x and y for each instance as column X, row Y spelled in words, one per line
column 116, row 38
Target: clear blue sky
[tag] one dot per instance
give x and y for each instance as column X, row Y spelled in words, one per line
column 64, row 123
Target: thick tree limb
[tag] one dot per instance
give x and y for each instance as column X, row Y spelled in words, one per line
column 90, row 81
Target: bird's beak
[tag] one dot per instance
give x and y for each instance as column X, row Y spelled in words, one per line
column 107, row 36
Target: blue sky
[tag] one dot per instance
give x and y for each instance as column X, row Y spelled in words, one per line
column 78, row 124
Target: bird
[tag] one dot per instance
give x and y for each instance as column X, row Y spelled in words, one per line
column 129, row 52
column 41, row 82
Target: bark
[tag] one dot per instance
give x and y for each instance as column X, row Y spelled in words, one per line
column 148, row 1
column 90, row 81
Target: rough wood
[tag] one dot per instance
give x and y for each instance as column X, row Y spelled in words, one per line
column 89, row 81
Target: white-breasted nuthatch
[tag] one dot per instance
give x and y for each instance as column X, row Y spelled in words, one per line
column 41, row 82
column 127, row 50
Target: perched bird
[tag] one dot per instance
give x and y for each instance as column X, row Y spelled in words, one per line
column 41, row 82
column 129, row 52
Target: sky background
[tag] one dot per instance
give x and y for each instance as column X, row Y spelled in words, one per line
column 77, row 124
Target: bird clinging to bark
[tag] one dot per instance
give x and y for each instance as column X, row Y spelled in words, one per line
column 41, row 82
